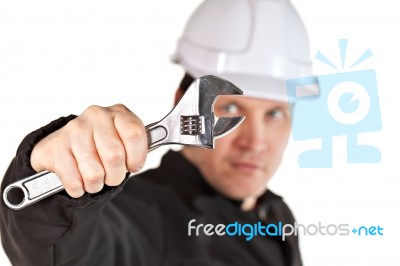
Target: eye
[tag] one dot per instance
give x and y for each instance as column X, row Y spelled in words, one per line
column 230, row 108
column 276, row 114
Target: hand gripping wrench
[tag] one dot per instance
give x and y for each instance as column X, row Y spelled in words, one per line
column 191, row 122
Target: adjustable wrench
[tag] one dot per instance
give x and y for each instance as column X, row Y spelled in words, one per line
column 191, row 122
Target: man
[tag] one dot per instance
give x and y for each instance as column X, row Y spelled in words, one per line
column 165, row 216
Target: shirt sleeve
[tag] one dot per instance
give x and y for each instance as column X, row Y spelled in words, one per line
column 29, row 235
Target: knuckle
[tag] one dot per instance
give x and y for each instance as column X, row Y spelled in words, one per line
column 74, row 188
column 120, row 107
column 94, row 176
column 96, row 112
column 93, row 109
column 135, row 133
column 137, row 120
column 115, row 157
column 75, row 125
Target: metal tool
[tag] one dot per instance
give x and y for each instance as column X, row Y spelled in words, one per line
column 191, row 122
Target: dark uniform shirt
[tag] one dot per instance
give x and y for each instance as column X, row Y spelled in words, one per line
column 144, row 221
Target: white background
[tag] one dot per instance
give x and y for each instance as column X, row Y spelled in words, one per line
column 58, row 57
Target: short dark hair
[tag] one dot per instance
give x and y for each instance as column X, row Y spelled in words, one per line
column 186, row 81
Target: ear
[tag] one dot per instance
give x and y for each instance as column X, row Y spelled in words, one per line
column 178, row 95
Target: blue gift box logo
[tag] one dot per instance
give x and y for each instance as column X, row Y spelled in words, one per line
column 345, row 103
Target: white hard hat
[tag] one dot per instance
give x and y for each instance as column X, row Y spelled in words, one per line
column 255, row 44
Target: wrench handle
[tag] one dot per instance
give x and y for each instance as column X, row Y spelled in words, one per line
column 31, row 189
column 34, row 188
column 156, row 134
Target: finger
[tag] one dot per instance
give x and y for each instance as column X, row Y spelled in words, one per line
column 66, row 168
column 110, row 150
column 53, row 154
column 40, row 159
column 88, row 161
column 133, row 135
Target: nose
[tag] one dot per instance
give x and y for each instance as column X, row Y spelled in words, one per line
column 252, row 135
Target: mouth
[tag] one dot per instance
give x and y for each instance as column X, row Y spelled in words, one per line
column 244, row 166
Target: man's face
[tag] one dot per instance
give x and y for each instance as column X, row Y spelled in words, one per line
column 245, row 159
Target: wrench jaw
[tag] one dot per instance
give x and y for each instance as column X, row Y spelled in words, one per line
column 220, row 128
column 192, row 121
column 213, row 86
column 226, row 125
column 209, row 88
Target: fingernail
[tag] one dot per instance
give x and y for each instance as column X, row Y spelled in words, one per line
column 135, row 170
